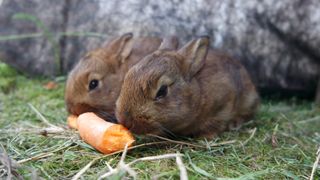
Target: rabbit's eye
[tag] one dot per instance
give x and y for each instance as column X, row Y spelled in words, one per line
column 162, row 92
column 93, row 84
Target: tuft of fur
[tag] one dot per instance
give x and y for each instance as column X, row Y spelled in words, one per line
column 208, row 92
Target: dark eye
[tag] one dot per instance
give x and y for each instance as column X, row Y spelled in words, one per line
column 93, row 84
column 162, row 92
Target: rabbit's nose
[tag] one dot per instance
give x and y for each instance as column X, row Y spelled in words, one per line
column 125, row 119
column 126, row 113
column 122, row 116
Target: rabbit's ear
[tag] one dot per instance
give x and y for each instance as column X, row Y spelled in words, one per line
column 195, row 53
column 122, row 46
column 169, row 43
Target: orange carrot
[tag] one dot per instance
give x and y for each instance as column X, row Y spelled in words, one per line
column 72, row 121
column 106, row 137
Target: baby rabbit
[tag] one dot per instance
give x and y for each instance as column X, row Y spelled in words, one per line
column 94, row 83
column 190, row 92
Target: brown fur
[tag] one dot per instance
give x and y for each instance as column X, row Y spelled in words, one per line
column 108, row 65
column 208, row 92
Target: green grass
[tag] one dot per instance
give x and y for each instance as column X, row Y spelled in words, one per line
column 283, row 147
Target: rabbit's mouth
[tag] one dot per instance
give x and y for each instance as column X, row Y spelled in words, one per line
column 106, row 115
column 102, row 112
column 142, row 126
column 77, row 109
column 144, row 130
column 138, row 124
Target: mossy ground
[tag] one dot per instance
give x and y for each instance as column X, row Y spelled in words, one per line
column 280, row 143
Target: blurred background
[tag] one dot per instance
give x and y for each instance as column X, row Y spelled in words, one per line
column 277, row 41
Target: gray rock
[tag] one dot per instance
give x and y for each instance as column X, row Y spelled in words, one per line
column 34, row 55
column 277, row 41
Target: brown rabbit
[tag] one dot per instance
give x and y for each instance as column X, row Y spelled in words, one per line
column 94, row 83
column 191, row 92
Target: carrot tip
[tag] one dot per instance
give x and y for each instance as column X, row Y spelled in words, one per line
column 116, row 138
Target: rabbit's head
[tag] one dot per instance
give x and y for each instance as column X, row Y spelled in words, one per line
column 157, row 96
column 95, row 82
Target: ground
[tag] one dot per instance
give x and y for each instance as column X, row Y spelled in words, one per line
column 279, row 143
